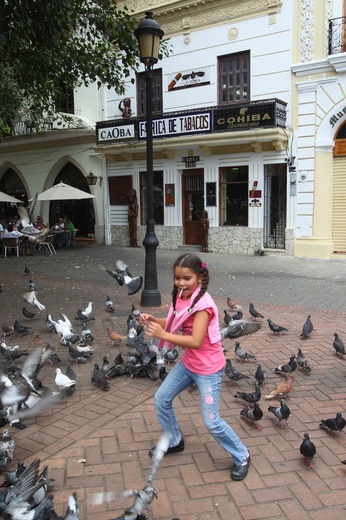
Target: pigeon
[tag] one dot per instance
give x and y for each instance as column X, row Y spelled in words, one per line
column 227, row 317
column 232, row 304
column 29, row 314
column 254, row 414
column 49, row 323
column 105, row 364
column 69, row 372
column 145, row 496
column 334, row 425
column 260, row 375
column 7, row 446
column 12, row 476
column 282, row 412
column 109, row 304
column 163, row 373
column 32, row 285
column 20, row 329
column 288, row 368
column 307, row 328
column 233, row 374
column 241, row 354
column 81, row 316
column 99, row 377
column 123, row 276
column 84, row 347
column 72, row 512
column 26, row 271
column 251, row 397
column 88, row 310
column 86, row 333
column 277, row 329
column 253, row 312
column 11, row 354
column 115, row 371
column 7, row 329
column 282, row 389
column 171, row 355
column 135, row 312
column 78, row 357
column 115, row 338
column 62, row 381
column 31, row 298
column 237, row 328
column 338, row 345
column 237, row 316
column 302, row 361
column 308, row 450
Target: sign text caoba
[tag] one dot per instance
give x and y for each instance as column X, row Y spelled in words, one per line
column 116, row 132
column 183, row 124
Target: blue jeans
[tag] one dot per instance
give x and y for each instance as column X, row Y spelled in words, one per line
column 209, row 387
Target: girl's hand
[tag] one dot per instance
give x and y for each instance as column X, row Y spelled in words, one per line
column 144, row 318
column 154, row 330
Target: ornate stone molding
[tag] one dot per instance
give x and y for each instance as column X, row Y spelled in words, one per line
column 307, row 21
column 178, row 16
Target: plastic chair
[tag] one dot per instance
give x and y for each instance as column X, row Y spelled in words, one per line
column 46, row 244
column 11, row 243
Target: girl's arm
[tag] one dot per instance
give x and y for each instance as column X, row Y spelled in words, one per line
column 199, row 329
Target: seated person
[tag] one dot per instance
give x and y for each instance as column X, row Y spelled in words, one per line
column 13, row 233
column 16, row 222
column 59, row 229
column 39, row 223
column 70, row 231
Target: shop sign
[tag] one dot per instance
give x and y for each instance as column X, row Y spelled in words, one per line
column 177, row 125
column 250, row 115
column 335, row 117
column 190, row 161
column 116, row 133
column 188, row 78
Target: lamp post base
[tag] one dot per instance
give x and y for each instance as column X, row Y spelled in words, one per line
column 151, row 296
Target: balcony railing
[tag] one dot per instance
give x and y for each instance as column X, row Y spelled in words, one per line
column 337, row 35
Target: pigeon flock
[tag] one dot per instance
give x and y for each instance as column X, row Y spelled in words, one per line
column 26, row 492
column 286, row 371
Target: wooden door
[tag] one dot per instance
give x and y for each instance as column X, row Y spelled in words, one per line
column 193, row 200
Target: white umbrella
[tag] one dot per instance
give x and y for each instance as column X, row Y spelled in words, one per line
column 64, row 191
column 7, row 198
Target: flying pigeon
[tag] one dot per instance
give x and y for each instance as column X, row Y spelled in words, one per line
column 241, row 354
column 72, row 512
column 302, row 361
column 308, row 450
column 123, row 276
column 338, row 345
column 31, row 297
column 277, row 329
column 282, row 389
column 254, row 414
column 334, row 425
column 282, row 412
column 260, row 375
column 238, row 328
column 251, row 397
column 12, row 476
column 307, row 327
column 287, row 368
column 253, row 312
column 145, row 496
column 233, row 374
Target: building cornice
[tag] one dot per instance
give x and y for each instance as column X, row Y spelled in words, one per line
column 181, row 16
column 50, row 139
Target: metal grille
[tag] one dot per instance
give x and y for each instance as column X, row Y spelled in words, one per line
column 194, row 183
column 275, row 206
column 337, row 35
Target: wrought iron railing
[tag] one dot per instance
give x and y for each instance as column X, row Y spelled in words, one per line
column 337, row 35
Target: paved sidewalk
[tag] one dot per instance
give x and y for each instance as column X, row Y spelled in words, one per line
column 98, row 441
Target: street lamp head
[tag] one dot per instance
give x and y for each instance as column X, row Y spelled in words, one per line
column 92, row 179
column 149, row 34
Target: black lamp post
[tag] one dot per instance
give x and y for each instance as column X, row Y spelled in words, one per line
column 149, row 34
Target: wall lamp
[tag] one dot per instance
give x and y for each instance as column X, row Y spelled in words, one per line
column 92, row 179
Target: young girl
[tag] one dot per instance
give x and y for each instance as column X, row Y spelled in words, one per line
column 194, row 314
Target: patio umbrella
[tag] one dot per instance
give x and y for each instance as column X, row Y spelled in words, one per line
column 64, row 191
column 7, row 198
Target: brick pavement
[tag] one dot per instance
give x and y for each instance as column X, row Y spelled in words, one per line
column 112, row 431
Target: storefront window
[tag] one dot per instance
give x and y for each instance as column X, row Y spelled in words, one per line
column 234, row 196
column 158, row 197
